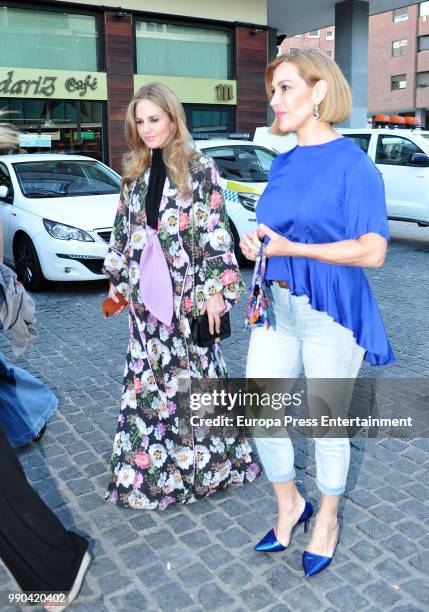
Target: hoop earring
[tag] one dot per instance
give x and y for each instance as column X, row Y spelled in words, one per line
column 316, row 113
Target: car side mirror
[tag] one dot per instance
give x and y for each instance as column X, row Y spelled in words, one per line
column 419, row 159
column 3, row 192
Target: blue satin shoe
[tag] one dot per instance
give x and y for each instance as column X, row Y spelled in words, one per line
column 313, row 564
column 270, row 543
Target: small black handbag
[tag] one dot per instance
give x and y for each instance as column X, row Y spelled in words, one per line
column 201, row 335
column 200, row 331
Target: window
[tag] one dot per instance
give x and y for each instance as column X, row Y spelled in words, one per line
column 330, row 53
column 184, row 51
column 400, row 14
column 395, row 150
column 330, row 35
column 422, row 79
column 399, row 47
column 5, row 177
column 72, row 126
column 55, row 179
column 424, row 9
column 41, row 39
column 5, row 181
column 362, row 140
column 293, row 49
column 398, row 82
column 242, row 162
column 314, row 34
column 423, row 43
column 297, row 35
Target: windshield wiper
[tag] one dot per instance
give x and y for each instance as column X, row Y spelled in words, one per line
column 91, row 193
column 44, row 193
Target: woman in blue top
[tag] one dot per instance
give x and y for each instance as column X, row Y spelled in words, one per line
column 322, row 217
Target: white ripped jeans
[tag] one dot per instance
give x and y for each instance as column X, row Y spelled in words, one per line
column 309, row 339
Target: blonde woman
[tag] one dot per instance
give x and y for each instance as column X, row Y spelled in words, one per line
column 322, row 218
column 171, row 251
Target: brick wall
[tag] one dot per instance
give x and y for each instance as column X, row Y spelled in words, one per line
column 120, row 88
column 382, row 66
column 251, row 60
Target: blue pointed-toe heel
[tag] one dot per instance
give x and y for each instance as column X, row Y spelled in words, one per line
column 270, row 543
column 314, row 564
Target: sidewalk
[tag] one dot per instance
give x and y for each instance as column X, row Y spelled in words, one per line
column 201, row 557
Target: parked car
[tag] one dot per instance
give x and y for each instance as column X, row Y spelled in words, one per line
column 57, row 213
column 243, row 168
column 401, row 155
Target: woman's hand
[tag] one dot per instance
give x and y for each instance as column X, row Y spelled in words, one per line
column 250, row 244
column 113, row 294
column 215, row 307
column 278, row 245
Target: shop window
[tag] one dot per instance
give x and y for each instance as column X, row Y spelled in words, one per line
column 398, row 81
column 423, row 43
column 70, row 126
column 43, row 39
column 400, row 14
column 399, row 47
column 184, row 51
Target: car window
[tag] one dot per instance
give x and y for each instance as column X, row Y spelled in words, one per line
column 4, row 176
column 5, row 180
column 64, row 178
column 362, row 140
column 395, row 150
column 242, row 162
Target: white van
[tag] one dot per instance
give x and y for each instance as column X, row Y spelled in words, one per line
column 401, row 155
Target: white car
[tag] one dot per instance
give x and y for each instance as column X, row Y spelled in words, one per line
column 57, row 213
column 401, row 155
column 243, row 168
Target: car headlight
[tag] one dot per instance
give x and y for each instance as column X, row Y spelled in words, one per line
column 66, row 232
column 248, row 200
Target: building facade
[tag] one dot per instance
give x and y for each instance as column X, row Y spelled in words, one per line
column 322, row 40
column 69, row 69
column 398, row 60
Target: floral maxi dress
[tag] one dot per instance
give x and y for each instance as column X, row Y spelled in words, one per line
column 159, row 459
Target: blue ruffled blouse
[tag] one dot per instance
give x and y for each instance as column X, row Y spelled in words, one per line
column 326, row 193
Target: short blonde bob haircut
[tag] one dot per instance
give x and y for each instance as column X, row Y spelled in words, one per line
column 314, row 66
column 179, row 149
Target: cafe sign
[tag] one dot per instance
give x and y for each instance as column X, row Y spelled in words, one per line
column 52, row 84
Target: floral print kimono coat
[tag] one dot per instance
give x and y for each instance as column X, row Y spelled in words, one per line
column 158, row 459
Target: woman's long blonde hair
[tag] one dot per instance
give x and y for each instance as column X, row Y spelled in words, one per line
column 179, row 149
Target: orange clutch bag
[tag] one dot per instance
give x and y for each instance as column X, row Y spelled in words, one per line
column 109, row 307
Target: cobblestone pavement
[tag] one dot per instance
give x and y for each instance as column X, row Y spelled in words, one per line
column 200, row 557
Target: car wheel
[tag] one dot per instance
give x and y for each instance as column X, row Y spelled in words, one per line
column 27, row 264
column 241, row 260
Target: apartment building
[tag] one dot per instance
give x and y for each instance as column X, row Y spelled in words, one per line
column 398, row 60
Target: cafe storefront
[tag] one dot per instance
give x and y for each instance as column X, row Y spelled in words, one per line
column 51, row 82
column 69, row 69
